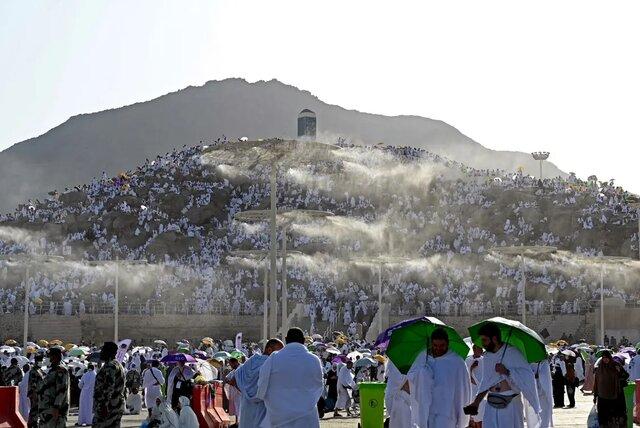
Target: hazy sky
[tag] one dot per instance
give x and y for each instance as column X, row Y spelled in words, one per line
column 562, row 76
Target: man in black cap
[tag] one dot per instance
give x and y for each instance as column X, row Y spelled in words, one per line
column 54, row 395
column 108, row 396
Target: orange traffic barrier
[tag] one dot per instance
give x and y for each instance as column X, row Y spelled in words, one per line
column 214, row 406
column 9, row 415
column 636, row 411
column 199, row 401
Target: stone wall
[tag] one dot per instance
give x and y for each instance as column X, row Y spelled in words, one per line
column 97, row 328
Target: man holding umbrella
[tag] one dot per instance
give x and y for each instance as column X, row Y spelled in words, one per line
column 449, row 388
column 506, row 375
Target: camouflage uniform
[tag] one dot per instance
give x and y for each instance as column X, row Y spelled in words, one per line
column 108, row 396
column 13, row 375
column 36, row 379
column 54, row 394
column 134, row 380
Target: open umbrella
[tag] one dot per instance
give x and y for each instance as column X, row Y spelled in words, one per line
column 516, row 334
column 237, row 354
column 568, row 353
column 339, row 359
column 10, row 342
column 160, row 342
column 332, row 351
column 365, row 362
column 77, row 352
column 7, row 349
column 222, row 354
column 405, row 340
column 380, row 358
column 55, row 342
column 207, row 341
column 174, row 358
column 43, row 343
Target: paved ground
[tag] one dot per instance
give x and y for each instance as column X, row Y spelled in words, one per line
column 563, row 418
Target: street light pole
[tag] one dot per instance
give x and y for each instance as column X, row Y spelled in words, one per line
column 273, row 304
column 285, row 296
column 380, row 298
column 116, row 307
column 265, row 311
column 26, row 308
column 540, row 156
column 524, row 290
column 602, row 304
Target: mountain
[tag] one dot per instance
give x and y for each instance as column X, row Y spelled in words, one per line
column 118, row 139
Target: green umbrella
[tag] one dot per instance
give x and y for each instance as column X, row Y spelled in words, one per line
column 237, row 354
column 405, row 340
column 516, row 334
column 600, row 351
column 222, row 354
column 77, row 352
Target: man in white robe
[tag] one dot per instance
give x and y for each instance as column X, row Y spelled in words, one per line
column 542, row 374
column 634, row 368
column 290, row 384
column 246, row 379
column 449, row 388
column 231, row 390
column 474, row 364
column 397, row 399
column 23, row 388
column 152, row 381
column 86, row 384
column 346, row 385
column 506, row 375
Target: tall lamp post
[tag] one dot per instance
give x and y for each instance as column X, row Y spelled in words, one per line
column 523, row 251
column 603, row 261
column 116, row 306
column 540, row 156
column 276, row 153
column 262, row 255
column 380, row 261
column 28, row 261
column 636, row 206
column 288, row 217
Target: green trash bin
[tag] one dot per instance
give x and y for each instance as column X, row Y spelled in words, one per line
column 629, row 393
column 371, row 404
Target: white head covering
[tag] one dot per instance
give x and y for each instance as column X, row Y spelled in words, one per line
column 168, row 418
column 188, row 418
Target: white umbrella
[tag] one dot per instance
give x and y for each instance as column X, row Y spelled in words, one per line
column 7, row 349
column 568, row 353
column 332, row 351
column 354, row 355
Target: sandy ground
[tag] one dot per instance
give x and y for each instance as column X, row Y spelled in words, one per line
column 563, row 418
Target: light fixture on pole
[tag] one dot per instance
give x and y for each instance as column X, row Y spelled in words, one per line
column 636, row 206
column 262, row 255
column 540, row 156
column 28, row 260
column 116, row 306
column 276, row 153
column 380, row 261
column 604, row 261
column 523, row 251
column 286, row 217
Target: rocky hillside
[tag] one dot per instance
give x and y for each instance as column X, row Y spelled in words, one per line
column 178, row 210
column 119, row 139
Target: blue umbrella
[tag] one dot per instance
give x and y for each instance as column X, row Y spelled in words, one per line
column 175, row 358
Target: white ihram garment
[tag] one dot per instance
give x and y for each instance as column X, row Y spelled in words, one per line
column 545, row 394
column 152, row 386
column 345, row 379
column 86, row 384
column 290, row 384
column 399, row 403
column 450, row 390
column 522, row 382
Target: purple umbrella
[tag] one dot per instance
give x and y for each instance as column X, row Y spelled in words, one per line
column 339, row 359
column 629, row 350
column 174, row 358
column 200, row 355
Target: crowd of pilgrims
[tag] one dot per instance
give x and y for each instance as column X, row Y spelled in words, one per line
column 295, row 383
column 197, row 276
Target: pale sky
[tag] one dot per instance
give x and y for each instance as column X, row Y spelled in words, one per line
column 561, row 76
